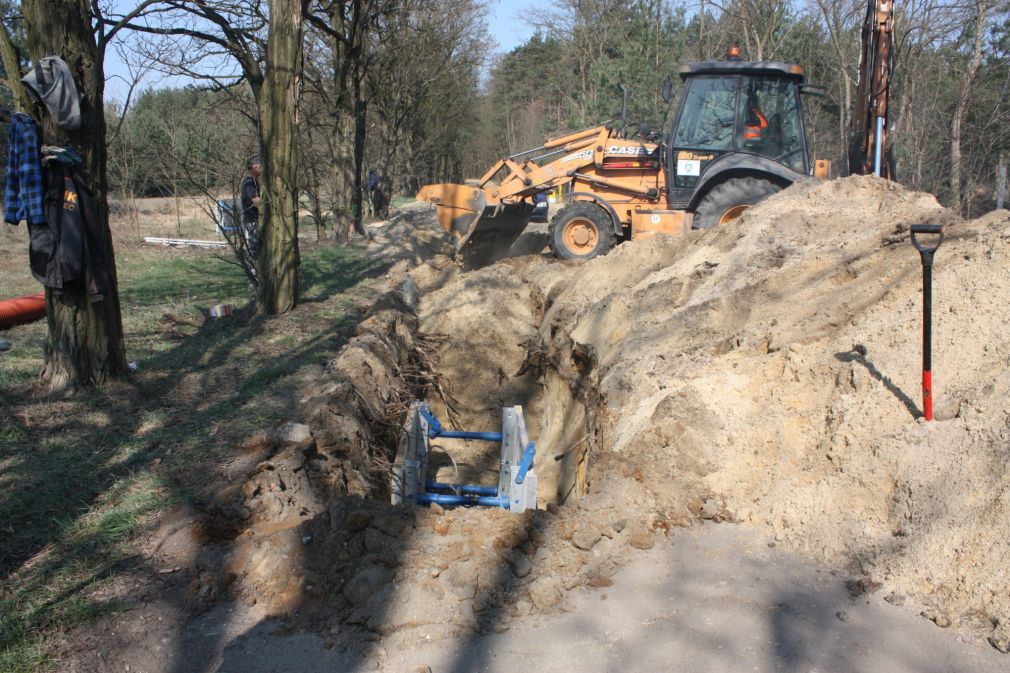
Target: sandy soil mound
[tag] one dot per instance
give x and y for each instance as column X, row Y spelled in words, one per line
column 764, row 372
column 768, row 372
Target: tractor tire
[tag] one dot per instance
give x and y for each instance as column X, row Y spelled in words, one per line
column 726, row 202
column 581, row 230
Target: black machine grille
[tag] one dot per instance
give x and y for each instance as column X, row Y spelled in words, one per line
column 679, row 198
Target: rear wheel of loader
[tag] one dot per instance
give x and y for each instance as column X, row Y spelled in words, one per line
column 727, row 201
column 582, row 230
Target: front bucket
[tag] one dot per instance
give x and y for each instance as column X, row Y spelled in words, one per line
column 494, row 232
column 482, row 232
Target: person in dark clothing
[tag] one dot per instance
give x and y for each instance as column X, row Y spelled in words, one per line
column 380, row 200
column 249, row 195
column 378, row 194
column 372, row 187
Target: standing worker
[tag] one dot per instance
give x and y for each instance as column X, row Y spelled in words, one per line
column 377, row 198
column 380, row 200
column 250, row 201
column 371, row 184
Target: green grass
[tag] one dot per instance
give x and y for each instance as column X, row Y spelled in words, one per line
column 181, row 276
column 59, row 591
column 82, row 480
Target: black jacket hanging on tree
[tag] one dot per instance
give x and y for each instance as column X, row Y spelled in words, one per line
column 71, row 246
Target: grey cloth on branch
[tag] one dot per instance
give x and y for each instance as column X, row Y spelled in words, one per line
column 51, row 83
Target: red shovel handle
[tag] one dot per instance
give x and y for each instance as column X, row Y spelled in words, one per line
column 927, row 395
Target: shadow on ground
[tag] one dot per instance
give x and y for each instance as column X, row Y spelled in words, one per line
column 79, row 473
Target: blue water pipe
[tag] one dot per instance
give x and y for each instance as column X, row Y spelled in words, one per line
column 443, row 499
column 435, row 430
column 461, row 434
column 468, row 489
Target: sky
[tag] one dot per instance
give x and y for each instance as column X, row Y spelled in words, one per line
column 505, row 23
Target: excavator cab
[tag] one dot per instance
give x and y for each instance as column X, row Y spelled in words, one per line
column 737, row 120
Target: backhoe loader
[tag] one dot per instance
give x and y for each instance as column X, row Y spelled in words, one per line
column 736, row 138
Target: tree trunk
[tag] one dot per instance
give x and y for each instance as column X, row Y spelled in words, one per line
column 844, row 120
column 278, row 255
column 346, row 22
column 357, row 196
column 11, row 66
column 343, row 164
column 961, row 109
column 1001, row 181
column 85, row 342
column 701, row 31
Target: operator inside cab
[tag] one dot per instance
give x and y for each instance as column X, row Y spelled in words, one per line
column 755, row 134
column 755, row 122
column 761, row 131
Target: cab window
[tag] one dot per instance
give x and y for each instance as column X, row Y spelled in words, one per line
column 768, row 120
column 707, row 118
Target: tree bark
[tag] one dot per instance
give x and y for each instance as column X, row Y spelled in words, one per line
column 12, row 67
column 85, row 342
column 343, row 163
column 279, row 259
column 1001, row 192
column 357, row 196
column 347, row 25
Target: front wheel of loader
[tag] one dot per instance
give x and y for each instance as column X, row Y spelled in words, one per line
column 727, row 201
column 582, row 230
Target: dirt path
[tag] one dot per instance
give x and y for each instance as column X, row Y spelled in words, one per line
column 710, row 598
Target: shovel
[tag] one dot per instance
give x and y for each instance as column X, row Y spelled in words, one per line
column 926, row 253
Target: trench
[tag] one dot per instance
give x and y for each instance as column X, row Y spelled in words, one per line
column 315, row 537
column 516, row 365
column 355, row 415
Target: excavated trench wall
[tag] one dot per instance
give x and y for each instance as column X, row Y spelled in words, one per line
column 492, row 355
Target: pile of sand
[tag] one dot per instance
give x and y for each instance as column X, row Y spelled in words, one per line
column 764, row 372
column 769, row 372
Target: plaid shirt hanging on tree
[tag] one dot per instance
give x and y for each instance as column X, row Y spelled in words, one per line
column 23, row 199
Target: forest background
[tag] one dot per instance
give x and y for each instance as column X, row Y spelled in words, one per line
column 434, row 102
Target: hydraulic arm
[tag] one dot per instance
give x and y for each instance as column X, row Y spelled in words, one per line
column 869, row 147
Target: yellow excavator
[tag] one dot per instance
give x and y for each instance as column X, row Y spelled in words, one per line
column 737, row 137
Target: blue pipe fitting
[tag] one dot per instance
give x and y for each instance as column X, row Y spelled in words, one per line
column 434, row 427
column 529, row 453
